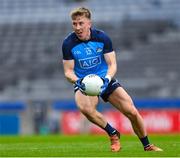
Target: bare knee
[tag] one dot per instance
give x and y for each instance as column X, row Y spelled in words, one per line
column 130, row 111
column 87, row 110
column 132, row 114
column 86, row 104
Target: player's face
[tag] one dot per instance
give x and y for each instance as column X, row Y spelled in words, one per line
column 81, row 26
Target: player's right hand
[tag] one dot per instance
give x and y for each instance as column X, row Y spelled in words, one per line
column 105, row 85
column 80, row 85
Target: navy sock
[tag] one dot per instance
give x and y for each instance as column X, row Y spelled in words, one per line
column 109, row 129
column 145, row 141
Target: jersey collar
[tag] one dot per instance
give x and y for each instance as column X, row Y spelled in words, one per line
column 93, row 36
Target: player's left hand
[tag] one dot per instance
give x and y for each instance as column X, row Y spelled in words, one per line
column 105, row 85
column 80, row 85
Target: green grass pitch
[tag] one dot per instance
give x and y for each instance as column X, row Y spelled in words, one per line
column 84, row 146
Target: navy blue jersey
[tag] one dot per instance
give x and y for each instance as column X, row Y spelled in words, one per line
column 88, row 55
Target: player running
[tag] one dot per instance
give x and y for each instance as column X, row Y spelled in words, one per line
column 86, row 51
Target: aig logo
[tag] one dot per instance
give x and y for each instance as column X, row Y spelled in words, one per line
column 90, row 62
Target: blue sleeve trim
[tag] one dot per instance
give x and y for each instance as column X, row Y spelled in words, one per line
column 107, row 43
column 66, row 49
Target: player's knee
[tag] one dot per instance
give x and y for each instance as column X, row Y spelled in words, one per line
column 87, row 110
column 132, row 114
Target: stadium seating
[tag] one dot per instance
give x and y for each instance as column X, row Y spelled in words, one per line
column 145, row 35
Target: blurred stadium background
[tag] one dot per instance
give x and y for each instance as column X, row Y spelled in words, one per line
column 35, row 98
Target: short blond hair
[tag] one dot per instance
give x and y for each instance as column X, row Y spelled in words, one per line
column 81, row 11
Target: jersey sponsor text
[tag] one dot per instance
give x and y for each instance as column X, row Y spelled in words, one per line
column 90, row 62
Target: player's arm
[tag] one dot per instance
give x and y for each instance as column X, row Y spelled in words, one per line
column 112, row 68
column 69, row 71
column 111, row 62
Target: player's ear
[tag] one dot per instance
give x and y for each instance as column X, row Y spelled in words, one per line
column 90, row 23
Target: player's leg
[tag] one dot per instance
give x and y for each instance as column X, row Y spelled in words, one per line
column 87, row 105
column 123, row 102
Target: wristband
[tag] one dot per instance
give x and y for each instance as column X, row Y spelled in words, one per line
column 108, row 77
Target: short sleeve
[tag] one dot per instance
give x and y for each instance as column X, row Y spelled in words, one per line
column 107, row 44
column 66, row 50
